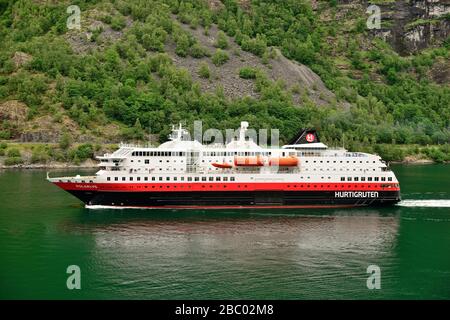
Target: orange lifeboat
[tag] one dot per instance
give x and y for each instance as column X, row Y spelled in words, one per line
column 222, row 165
column 284, row 162
column 248, row 161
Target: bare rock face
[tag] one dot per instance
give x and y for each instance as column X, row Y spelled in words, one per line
column 13, row 110
column 440, row 72
column 413, row 25
column 21, row 58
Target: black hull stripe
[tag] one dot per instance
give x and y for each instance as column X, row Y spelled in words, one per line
column 228, row 199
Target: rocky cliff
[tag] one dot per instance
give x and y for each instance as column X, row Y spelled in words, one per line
column 412, row 25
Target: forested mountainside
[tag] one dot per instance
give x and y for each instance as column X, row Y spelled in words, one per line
column 138, row 66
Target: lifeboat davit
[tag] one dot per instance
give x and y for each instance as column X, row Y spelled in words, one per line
column 222, row 165
column 248, row 161
column 284, row 161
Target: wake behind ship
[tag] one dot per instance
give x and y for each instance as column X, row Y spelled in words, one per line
column 183, row 173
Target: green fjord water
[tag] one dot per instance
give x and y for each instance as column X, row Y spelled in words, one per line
column 227, row 254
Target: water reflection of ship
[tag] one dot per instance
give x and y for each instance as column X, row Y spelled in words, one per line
column 360, row 231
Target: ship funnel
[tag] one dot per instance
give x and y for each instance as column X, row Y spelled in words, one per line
column 243, row 129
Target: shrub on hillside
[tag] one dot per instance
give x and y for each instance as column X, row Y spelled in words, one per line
column 13, row 161
column 221, row 41
column 203, row 71
column 13, row 153
column 118, row 23
column 247, row 73
column 220, row 57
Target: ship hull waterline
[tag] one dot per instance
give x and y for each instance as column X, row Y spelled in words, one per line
column 225, row 200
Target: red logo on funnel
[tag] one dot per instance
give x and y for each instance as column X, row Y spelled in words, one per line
column 310, row 137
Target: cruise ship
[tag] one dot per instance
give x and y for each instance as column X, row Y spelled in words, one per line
column 184, row 173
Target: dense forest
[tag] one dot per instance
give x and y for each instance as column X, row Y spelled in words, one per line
column 383, row 102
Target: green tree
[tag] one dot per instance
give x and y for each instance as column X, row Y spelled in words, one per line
column 220, row 57
column 221, row 41
column 203, row 71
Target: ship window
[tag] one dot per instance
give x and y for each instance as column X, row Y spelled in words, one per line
column 342, row 178
column 383, row 178
column 363, row 178
column 349, row 178
column 369, row 179
column 196, row 179
column 153, row 178
column 131, row 178
column 225, row 178
column 145, row 178
column 356, row 179
column 182, row 178
column 147, row 161
column 217, row 178
column 389, row 178
column 231, row 178
column 376, row 179
column 138, row 178
column 211, row 178
column 109, row 178
column 167, row 179
column 203, row 178
column 189, row 178
column 160, row 179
